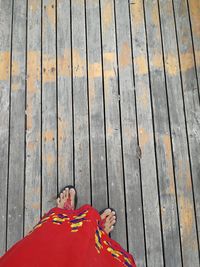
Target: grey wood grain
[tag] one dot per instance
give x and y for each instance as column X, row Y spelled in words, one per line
column 113, row 132
column 49, row 110
column 151, row 209
column 65, row 118
column 194, row 15
column 194, row 11
column 179, row 136
column 192, row 110
column 96, row 107
column 5, row 58
column 80, row 103
column 17, row 126
column 33, row 116
column 167, row 193
column 134, row 215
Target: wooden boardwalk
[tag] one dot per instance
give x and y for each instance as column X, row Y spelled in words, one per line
column 104, row 94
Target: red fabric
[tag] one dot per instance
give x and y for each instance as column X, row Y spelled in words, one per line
column 67, row 238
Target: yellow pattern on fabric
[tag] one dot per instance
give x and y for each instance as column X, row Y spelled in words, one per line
column 114, row 252
column 78, row 220
column 98, row 236
column 118, row 255
column 75, row 222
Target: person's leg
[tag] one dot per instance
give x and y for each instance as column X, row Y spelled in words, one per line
column 66, row 200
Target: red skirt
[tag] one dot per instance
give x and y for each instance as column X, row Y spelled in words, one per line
column 67, row 238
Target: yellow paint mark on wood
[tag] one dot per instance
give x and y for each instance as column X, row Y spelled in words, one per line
column 94, row 70
column 143, row 98
column 35, row 206
column 188, row 178
column 141, row 66
column 154, row 15
column 62, row 130
column 64, row 64
column 31, row 145
column 15, row 68
column 48, row 135
column 49, row 69
column 143, row 137
column 168, row 155
column 50, row 11
column 187, row 61
column 125, row 55
column 137, row 16
column 157, row 61
column 62, row 162
column 34, row 5
column 171, row 64
column 195, row 16
column 15, row 86
column 79, row 64
column 4, row 65
column 109, row 73
column 186, row 216
column 107, row 15
column 110, row 131
column 33, row 70
column 197, row 56
column 109, row 60
column 184, row 173
column 109, row 56
column 50, row 159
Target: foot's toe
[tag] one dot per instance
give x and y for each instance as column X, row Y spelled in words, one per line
column 58, row 201
column 105, row 213
column 110, row 216
column 62, row 195
column 66, row 193
column 72, row 193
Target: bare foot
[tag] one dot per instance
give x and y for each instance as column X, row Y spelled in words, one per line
column 110, row 220
column 66, row 199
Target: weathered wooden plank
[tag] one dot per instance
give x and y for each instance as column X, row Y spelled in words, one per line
column 96, row 107
column 5, row 57
column 17, row 127
column 194, row 9
column 65, row 119
column 132, row 192
column 194, row 12
column 192, row 110
column 80, row 103
column 113, row 134
column 168, row 205
column 179, row 137
column 33, row 112
column 49, row 112
column 154, row 250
